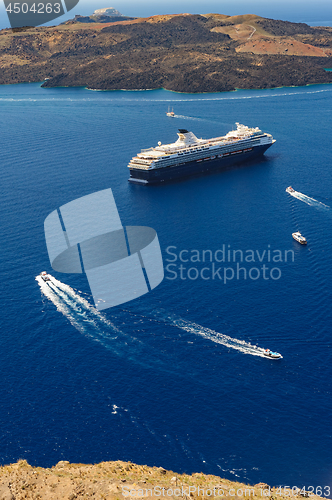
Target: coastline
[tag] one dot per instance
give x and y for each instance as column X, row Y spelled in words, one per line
column 119, row 480
column 82, row 87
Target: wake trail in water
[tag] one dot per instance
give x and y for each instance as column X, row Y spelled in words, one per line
column 91, row 323
column 233, row 97
column 207, row 333
column 183, row 117
column 172, row 100
column 83, row 316
column 196, row 119
column 220, row 338
column 310, row 201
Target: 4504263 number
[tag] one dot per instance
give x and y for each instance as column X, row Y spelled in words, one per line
column 35, row 8
column 310, row 490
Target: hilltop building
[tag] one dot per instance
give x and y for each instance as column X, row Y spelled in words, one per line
column 110, row 11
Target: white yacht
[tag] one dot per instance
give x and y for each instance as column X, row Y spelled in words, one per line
column 45, row 276
column 271, row 354
column 299, row 237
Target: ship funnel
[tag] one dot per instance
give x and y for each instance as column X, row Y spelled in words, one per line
column 186, row 138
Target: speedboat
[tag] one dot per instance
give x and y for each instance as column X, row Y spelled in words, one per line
column 170, row 113
column 45, row 276
column 271, row 354
column 298, row 237
column 290, row 190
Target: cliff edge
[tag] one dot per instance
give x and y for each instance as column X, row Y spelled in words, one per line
column 121, row 480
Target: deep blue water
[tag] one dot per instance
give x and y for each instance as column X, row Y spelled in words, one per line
column 152, row 381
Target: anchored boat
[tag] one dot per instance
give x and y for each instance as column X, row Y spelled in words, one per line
column 190, row 156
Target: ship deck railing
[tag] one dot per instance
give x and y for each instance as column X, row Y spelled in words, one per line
column 218, row 141
column 147, row 150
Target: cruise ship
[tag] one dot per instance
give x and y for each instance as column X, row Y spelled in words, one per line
column 191, row 156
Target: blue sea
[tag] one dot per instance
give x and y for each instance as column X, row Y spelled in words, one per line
column 174, row 378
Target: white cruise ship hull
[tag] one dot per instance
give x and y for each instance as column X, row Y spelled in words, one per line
column 203, row 165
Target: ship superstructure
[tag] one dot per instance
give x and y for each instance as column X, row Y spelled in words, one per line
column 190, row 155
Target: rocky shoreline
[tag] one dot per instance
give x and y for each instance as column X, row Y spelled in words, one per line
column 182, row 53
column 119, row 480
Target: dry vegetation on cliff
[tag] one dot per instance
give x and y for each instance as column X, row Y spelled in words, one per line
column 186, row 53
column 114, row 481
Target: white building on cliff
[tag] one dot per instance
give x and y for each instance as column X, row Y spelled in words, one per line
column 110, row 11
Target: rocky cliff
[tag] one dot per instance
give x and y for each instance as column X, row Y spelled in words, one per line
column 185, row 53
column 124, row 480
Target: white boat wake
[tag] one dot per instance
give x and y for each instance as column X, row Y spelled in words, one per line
column 94, row 325
column 86, row 319
column 90, row 322
column 69, row 303
column 230, row 96
column 309, row 201
column 207, row 333
column 220, row 338
column 191, row 118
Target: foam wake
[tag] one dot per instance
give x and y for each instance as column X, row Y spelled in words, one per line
column 94, row 325
column 86, row 319
column 183, row 117
column 232, row 96
column 90, row 322
column 219, row 338
column 207, row 333
column 310, row 201
column 70, row 304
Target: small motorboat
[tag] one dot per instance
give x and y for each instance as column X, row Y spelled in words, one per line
column 45, row 276
column 271, row 354
column 170, row 113
column 290, row 190
column 298, row 237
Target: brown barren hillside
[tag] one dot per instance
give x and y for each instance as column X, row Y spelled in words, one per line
column 183, row 52
column 121, row 480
